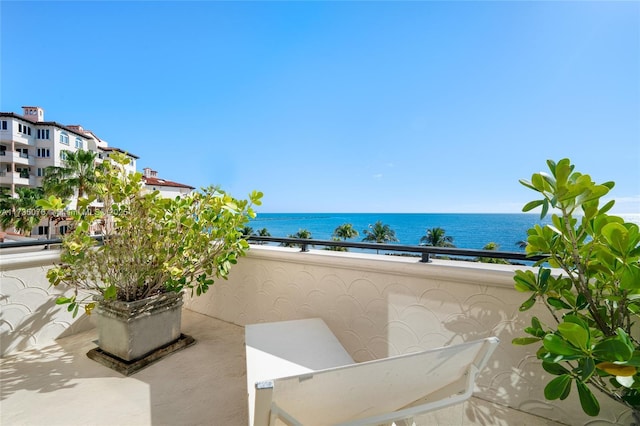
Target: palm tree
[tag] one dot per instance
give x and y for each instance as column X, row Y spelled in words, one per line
column 247, row 231
column 264, row 232
column 20, row 212
column 343, row 232
column 336, row 248
column 76, row 177
column 492, row 246
column 436, row 237
column 379, row 233
column 303, row 234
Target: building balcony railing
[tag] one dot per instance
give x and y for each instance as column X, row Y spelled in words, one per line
column 15, row 178
column 22, row 139
column 377, row 306
column 19, row 158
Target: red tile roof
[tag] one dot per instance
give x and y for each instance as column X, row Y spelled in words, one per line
column 153, row 181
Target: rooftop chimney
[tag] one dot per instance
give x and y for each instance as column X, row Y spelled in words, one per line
column 33, row 113
column 149, row 173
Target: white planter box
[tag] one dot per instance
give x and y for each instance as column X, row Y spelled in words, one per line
column 131, row 330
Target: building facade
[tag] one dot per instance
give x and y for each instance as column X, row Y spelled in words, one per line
column 29, row 144
column 167, row 188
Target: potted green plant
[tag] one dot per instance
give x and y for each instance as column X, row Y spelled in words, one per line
column 152, row 249
column 595, row 298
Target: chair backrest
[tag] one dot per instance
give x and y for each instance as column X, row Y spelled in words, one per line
column 378, row 391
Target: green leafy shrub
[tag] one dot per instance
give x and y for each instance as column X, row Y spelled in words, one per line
column 150, row 244
column 595, row 299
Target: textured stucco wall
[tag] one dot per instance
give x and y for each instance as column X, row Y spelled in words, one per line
column 376, row 305
column 29, row 316
column 385, row 305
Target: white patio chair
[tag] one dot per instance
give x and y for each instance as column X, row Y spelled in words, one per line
column 298, row 373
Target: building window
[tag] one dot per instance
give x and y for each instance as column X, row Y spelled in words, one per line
column 40, row 172
column 64, row 138
column 79, row 144
column 63, row 229
column 43, row 152
column 23, row 152
column 43, row 133
column 24, row 129
column 3, row 150
column 4, row 124
column 43, row 230
column 63, row 155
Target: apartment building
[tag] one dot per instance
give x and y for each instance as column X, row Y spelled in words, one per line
column 167, row 188
column 29, row 144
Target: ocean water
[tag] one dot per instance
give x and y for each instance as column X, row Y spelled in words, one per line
column 470, row 231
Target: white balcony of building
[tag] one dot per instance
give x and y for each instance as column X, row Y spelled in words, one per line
column 23, row 139
column 377, row 306
column 19, row 158
column 15, row 178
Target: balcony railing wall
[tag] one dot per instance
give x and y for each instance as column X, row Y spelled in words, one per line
column 29, row 316
column 386, row 305
column 376, row 305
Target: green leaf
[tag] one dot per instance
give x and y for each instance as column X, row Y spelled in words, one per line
column 588, row 368
column 557, row 387
column 527, row 184
column 545, row 209
column 588, row 401
column 558, row 303
column 617, row 236
column 557, row 345
column 528, row 304
column 525, row 281
column 554, row 368
column 630, row 277
column 613, row 349
column 525, row 340
column 532, row 205
column 575, row 334
column 535, row 323
column 536, row 332
column 110, row 292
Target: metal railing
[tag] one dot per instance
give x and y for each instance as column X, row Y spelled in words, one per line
column 35, row 243
column 425, row 252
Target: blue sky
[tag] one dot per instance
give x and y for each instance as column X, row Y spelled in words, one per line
column 342, row 106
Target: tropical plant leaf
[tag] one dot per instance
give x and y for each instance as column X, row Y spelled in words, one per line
column 613, row 349
column 557, row 345
column 617, row 369
column 575, row 334
column 557, row 387
column 554, row 368
column 525, row 340
column 588, row 401
column 528, row 304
